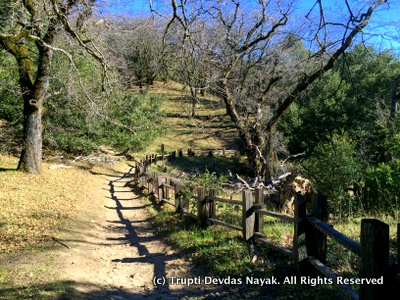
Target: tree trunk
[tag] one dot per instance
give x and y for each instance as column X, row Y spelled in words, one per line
column 193, row 93
column 33, row 94
column 31, row 155
column 270, row 152
column 255, row 161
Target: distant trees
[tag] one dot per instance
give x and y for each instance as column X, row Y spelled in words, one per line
column 134, row 46
column 188, row 59
column 261, row 70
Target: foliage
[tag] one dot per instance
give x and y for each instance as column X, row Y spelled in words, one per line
column 381, row 186
column 211, row 180
column 79, row 130
column 354, row 95
column 333, row 168
column 10, row 107
column 207, row 180
column 79, row 115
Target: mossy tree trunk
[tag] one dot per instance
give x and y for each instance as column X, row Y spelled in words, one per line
column 34, row 75
column 31, row 155
column 28, row 33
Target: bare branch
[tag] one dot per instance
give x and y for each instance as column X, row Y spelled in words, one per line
column 309, row 79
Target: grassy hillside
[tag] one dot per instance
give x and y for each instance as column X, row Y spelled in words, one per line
column 210, row 129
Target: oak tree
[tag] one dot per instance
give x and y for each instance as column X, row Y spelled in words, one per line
column 29, row 30
column 254, row 51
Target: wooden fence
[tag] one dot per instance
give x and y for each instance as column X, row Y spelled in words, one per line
column 309, row 248
column 154, row 158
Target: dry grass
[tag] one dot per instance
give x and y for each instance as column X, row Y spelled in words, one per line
column 34, row 208
column 38, row 210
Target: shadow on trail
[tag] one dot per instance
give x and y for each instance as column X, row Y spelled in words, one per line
column 8, row 170
column 138, row 236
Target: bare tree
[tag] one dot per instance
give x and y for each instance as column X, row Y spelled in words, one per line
column 136, row 47
column 255, row 50
column 188, row 60
column 28, row 32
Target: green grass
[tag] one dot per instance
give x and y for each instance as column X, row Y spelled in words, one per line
column 222, row 253
column 279, row 232
column 220, row 250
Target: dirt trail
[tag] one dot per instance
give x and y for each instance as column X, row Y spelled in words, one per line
column 117, row 257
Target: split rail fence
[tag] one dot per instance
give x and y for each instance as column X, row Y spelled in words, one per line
column 309, row 248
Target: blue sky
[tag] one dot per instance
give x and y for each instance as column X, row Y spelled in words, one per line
column 385, row 23
column 383, row 31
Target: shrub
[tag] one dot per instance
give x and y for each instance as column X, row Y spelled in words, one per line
column 381, row 186
column 333, row 168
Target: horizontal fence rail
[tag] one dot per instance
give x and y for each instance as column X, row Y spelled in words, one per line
column 310, row 231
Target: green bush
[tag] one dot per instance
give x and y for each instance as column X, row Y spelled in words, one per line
column 11, row 103
column 77, row 128
column 381, row 187
column 333, row 168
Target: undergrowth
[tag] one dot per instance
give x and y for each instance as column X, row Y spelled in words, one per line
column 222, row 253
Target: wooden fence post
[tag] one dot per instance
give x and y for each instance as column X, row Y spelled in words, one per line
column 145, row 180
column 156, row 187
column 178, row 198
column 374, row 257
column 167, row 181
column 300, row 228
column 160, row 189
column 144, row 176
column 136, row 172
column 316, row 240
column 212, row 206
column 150, row 182
column 259, row 219
column 201, row 206
column 248, row 215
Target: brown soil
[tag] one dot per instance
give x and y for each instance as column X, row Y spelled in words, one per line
column 117, row 255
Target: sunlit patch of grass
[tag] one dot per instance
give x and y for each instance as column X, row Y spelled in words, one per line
column 31, row 275
column 210, row 129
column 279, row 232
column 21, row 284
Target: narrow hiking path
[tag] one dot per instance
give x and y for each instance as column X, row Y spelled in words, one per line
column 117, row 255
